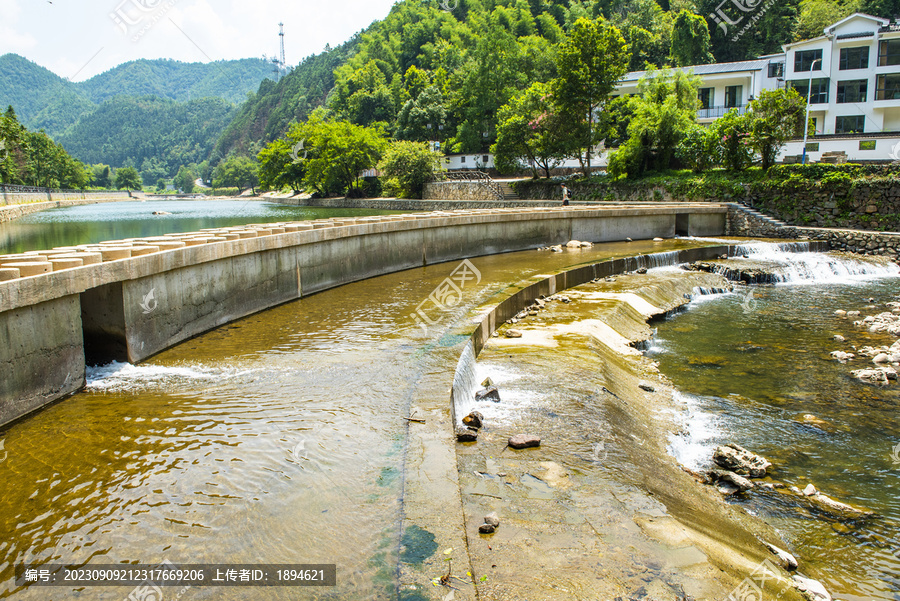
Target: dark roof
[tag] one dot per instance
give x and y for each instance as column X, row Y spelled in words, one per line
column 857, row 34
column 707, row 69
column 890, row 27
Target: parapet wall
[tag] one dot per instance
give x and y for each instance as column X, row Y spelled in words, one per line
column 129, row 299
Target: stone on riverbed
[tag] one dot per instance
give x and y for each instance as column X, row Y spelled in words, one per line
column 811, row 589
column 839, row 510
column 878, row 376
column 466, row 434
column 524, row 441
column 474, row 420
column 842, row 356
column 739, row 460
column 787, row 561
column 513, row 334
column 488, row 394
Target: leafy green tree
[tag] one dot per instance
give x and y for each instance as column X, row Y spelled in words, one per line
column 282, row 162
column 423, row 118
column 128, row 178
column 663, row 112
column 732, row 134
column 776, row 116
column 690, row 40
column 816, row 15
column 160, row 184
column 338, row 153
column 101, row 176
column 530, row 131
column 236, row 172
column 185, row 179
column 589, row 63
column 698, row 149
column 406, row 167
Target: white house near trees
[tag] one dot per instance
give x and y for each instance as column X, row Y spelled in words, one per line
column 853, row 70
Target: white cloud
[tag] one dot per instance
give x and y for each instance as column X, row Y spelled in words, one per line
column 65, row 35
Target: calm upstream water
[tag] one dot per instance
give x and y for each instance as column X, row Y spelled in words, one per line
column 279, row 438
column 750, row 367
column 89, row 224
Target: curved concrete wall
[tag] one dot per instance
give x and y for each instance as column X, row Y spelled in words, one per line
column 131, row 307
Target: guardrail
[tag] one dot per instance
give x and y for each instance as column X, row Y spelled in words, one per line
column 472, row 175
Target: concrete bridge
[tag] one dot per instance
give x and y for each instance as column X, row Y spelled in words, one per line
column 127, row 300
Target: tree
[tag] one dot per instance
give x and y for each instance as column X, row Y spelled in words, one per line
column 101, row 176
column 281, row 163
column 698, row 149
column 589, row 63
column 128, row 178
column 406, row 167
column 690, row 40
column 236, row 172
column 160, row 184
column 776, row 116
column 530, row 130
column 338, row 153
column 732, row 132
column 663, row 113
column 184, row 179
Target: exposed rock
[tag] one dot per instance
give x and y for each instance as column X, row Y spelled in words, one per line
column 474, row 420
column 586, row 244
column 646, row 387
column 487, row 383
column 811, row 589
column 740, row 460
column 853, row 313
column 513, row 334
column 487, row 529
column 573, row 244
column 641, row 270
column 556, row 249
column 492, row 519
column 839, row 338
column 840, row 313
column 524, row 441
column 488, row 394
column 727, row 488
column 161, row 213
column 739, row 481
column 842, row 356
column 811, row 420
column 466, row 434
column 810, row 490
column 881, row 358
column 839, row 510
column 871, row 376
column 787, row 561
column 657, row 239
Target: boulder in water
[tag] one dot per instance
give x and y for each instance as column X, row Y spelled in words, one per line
column 787, row 561
column 474, row 420
column 842, row 356
column 524, row 441
column 466, row 434
column 741, row 461
column 840, row 313
column 811, row 589
column 488, row 394
column 513, row 334
column 573, row 244
column 878, row 377
column 486, row 528
column 838, row 510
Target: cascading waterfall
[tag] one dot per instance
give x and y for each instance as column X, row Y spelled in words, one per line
column 666, row 259
column 793, row 263
column 465, row 381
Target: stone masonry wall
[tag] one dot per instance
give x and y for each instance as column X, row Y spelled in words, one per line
column 458, row 191
column 742, row 223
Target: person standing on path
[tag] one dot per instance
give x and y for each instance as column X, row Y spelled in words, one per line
column 566, row 195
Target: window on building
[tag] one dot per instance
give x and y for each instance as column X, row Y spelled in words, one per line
column 849, row 124
column 804, row 59
column 733, row 96
column 819, row 89
column 888, row 53
column 854, row 58
column 462, row 160
column 852, row 91
column 707, row 97
column 888, row 87
column 776, row 70
column 484, row 159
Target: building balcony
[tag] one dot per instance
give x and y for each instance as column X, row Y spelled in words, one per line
column 714, row 112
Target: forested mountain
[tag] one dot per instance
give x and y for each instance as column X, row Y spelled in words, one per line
column 149, row 133
column 427, row 73
column 44, row 100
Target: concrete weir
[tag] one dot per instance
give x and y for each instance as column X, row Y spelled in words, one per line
column 127, row 300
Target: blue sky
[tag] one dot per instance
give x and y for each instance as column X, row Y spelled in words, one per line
column 80, row 38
